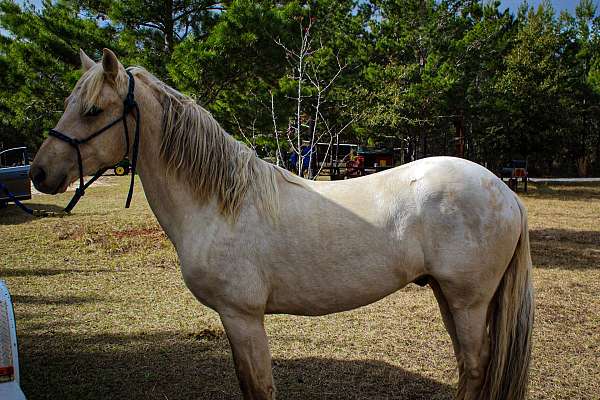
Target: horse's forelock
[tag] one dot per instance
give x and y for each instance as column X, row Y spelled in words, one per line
column 89, row 87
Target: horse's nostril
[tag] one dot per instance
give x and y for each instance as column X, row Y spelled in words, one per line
column 38, row 175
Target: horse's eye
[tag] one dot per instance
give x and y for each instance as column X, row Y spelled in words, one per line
column 92, row 112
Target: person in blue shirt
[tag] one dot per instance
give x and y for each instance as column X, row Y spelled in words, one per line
column 306, row 159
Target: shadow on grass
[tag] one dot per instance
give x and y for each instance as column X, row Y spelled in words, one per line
column 13, row 215
column 174, row 366
column 577, row 191
column 20, row 272
column 57, row 301
column 565, row 248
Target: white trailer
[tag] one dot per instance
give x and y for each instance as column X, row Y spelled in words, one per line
column 10, row 388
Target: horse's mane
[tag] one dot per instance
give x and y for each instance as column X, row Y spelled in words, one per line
column 198, row 151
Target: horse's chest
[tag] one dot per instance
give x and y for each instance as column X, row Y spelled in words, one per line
column 224, row 275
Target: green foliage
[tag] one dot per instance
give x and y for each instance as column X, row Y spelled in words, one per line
column 232, row 69
column 151, row 30
column 40, row 65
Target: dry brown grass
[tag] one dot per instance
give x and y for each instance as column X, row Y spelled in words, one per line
column 103, row 313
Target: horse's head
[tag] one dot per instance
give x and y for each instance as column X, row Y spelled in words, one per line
column 96, row 101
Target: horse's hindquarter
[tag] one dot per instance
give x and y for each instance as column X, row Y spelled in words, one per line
column 471, row 224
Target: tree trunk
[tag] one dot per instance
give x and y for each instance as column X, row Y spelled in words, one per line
column 169, row 26
column 459, row 126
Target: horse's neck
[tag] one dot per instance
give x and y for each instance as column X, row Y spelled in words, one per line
column 170, row 200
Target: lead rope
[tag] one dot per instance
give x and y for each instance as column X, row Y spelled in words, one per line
column 131, row 104
column 134, row 155
column 17, row 202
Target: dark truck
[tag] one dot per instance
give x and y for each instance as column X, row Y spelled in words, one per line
column 14, row 175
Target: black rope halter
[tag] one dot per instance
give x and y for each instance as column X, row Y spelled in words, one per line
column 129, row 104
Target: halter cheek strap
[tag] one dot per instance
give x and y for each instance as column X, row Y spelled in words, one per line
column 129, row 104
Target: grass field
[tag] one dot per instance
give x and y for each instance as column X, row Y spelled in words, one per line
column 102, row 313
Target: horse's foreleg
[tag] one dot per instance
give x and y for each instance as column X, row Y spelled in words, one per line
column 251, row 355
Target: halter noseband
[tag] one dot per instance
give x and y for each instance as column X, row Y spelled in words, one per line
column 129, row 104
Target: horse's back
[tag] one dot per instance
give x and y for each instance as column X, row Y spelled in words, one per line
column 423, row 186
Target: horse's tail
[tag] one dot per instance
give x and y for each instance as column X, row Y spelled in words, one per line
column 510, row 322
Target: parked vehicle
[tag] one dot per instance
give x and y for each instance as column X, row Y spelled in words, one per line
column 516, row 170
column 122, row 168
column 369, row 161
column 331, row 159
column 14, row 175
column 10, row 388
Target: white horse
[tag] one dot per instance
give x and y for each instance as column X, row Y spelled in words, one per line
column 253, row 239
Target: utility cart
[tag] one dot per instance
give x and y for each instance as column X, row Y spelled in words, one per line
column 14, row 175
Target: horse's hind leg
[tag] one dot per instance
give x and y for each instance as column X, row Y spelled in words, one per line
column 471, row 333
column 470, row 373
column 250, row 348
column 446, row 315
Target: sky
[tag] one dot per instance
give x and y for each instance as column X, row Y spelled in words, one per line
column 559, row 5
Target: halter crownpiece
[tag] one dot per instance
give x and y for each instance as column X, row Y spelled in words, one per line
column 129, row 104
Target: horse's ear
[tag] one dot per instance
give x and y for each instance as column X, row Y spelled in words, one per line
column 110, row 64
column 86, row 62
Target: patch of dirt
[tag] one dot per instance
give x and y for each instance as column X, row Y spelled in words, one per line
column 69, row 232
column 128, row 233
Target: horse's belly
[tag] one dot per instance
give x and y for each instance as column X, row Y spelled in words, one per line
column 316, row 302
column 324, row 288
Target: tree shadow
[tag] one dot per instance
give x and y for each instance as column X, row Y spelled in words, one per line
column 13, row 215
column 59, row 300
column 182, row 366
column 565, row 248
column 565, row 191
column 24, row 272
